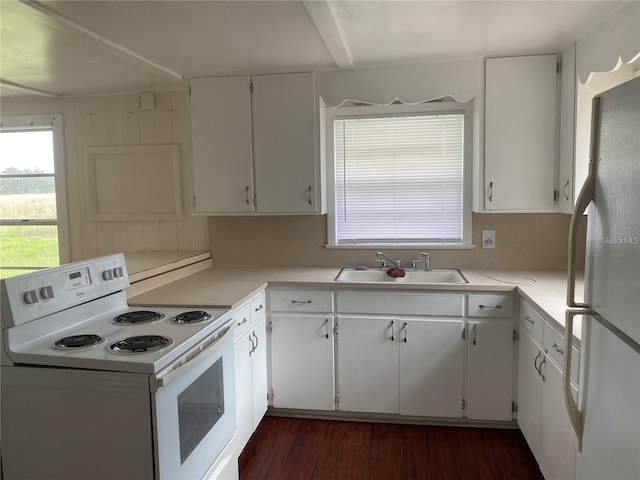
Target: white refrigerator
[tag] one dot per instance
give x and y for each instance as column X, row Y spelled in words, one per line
column 606, row 415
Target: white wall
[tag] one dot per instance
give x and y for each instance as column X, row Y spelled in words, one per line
column 116, row 120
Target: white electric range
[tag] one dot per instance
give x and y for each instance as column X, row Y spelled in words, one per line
column 71, row 344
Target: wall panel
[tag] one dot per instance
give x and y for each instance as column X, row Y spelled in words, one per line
column 116, row 120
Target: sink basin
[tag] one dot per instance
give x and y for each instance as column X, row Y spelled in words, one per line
column 374, row 275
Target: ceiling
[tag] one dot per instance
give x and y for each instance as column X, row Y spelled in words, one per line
column 63, row 48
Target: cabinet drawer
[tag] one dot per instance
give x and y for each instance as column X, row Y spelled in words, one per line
column 553, row 343
column 258, row 309
column 426, row 304
column 531, row 320
column 490, row 306
column 300, row 301
column 242, row 317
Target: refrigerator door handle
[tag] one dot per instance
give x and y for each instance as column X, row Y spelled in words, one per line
column 584, row 199
column 575, row 415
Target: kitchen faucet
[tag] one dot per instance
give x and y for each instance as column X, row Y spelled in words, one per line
column 427, row 261
column 381, row 257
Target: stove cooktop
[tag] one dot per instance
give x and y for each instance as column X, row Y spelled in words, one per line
column 80, row 338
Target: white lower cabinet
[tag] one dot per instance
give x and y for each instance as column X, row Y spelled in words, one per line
column 490, row 370
column 392, row 353
column 250, row 369
column 542, row 414
column 302, row 366
column 368, row 365
column 431, row 368
column 396, row 366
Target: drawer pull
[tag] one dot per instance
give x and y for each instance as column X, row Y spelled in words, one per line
column 301, row 302
column 528, row 319
column 497, row 307
column 244, row 320
column 557, row 348
column 260, row 307
column 535, row 362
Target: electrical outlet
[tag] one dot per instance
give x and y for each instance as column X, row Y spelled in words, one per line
column 488, row 239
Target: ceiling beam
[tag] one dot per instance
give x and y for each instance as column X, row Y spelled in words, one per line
column 128, row 54
column 24, row 88
column 323, row 18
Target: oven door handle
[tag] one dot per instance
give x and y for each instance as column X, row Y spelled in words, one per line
column 164, row 379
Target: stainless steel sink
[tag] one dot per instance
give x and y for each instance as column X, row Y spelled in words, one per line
column 374, row 275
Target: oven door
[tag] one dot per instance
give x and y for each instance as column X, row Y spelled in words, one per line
column 194, row 409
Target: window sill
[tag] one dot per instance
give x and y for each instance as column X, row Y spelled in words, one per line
column 407, row 246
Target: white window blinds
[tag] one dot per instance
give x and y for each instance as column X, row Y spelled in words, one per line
column 399, row 179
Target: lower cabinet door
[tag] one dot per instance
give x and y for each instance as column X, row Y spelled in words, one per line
column 259, row 370
column 529, row 392
column 558, row 438
column 368, row 364
column 302, row 374
column 244, row 390
column 431, row 368
column 490, row 370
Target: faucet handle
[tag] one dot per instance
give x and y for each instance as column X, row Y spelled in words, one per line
column 414, row 263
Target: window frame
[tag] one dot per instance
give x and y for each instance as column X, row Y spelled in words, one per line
column 25, row 123
column 427, row 108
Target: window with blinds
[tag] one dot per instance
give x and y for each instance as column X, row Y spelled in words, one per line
column 399, row 178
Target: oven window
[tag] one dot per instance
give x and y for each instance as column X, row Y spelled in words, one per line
column 200, row 406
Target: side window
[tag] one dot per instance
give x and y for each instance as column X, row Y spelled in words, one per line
column 33, row 230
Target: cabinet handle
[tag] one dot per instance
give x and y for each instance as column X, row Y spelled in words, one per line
column 257, row 341
column 535, row 362
column 253, row 347
column 405, row 327
column 540, row 369
column 326, row 328
column 491, row 191
column 258, row 308
column 246, row 193
column 564, row 190
column 303, row 302
column 496, row 307
column 528, row 319
column 244, row 320
column 393, row 336
column 309, row 194
column 557, row 348
column 475, row 334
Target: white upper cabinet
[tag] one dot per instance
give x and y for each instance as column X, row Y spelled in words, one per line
column 285, row 121
column 221, row 160
column 256, row 152
column 566, row 159
column 520, row 133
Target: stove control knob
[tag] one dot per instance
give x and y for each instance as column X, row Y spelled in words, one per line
column 30, row 297
column 118, row 272
column 107, row 275
column 47, row 292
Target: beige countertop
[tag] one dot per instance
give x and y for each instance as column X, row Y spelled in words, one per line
column 230, row 286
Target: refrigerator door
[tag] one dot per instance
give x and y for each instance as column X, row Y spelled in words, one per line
column 613, row 233
column 611, row 405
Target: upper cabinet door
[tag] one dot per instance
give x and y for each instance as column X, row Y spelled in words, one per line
column 520, row 133
column 285, row 119
column 566, row 184
column 221, row 145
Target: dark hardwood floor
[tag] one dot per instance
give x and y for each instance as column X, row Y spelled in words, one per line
column 302, row 449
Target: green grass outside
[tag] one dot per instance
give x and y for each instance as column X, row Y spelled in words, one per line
column 28, row 246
